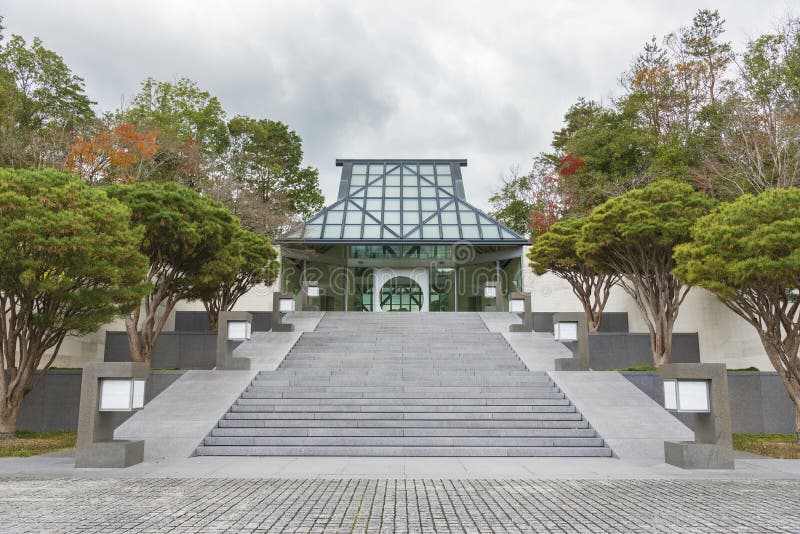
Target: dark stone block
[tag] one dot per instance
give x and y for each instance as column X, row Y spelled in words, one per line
column 197, row 321
column 612, row 322
column 609, row 350
column 173, row 350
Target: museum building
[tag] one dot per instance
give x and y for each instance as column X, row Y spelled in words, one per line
column 401, row 236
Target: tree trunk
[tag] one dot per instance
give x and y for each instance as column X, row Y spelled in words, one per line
column 661, row 344
column 134, row 343
column 9, row 410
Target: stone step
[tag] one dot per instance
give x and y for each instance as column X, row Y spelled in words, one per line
column 400, row 423
column 419, row 432
column 242, row 412
column 257, row 405
column 403, row 451
column 398, row 393
column 411, row 401
column 402, row 441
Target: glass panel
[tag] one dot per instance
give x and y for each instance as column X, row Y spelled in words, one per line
column 445, row 180
column 449, row 217
column 410, row 192
column 486, row 220
column 356, row 190
column 394, row 228
column 426, row 214
column 411, row 180
column 442, row 169
column 313, row 231
column 391, row 217
column 332, row 231
column 352, row 231
column 374, row 191
column 392, row 191
column 410, row 217
column 394, row 169
column 450, row 231
column 414, row 234
column 470, row 231
column 354, row 217
column 337, row 207
column 358, row 180
column 355, row 205
column 334, row 217
column 411, row 204
column 429, row 205
column 469, row 218
column 375, row 181
column 393, row 180
column 401, row 294
column 490, row 232
column 426, row 170
column 430, row 231
column 428, row 191
column 507, row 234
column 391, row 204
column 375, row 170
column 359, row 169
column 372, row 231
column 373, row 205
column 409, row 168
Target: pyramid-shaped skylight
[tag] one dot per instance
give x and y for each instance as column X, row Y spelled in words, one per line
column 382, row 200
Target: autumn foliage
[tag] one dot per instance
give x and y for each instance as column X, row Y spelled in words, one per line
column 115, row 155
column 552, row 199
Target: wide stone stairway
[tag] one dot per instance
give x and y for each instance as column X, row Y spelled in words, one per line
column 402, row 384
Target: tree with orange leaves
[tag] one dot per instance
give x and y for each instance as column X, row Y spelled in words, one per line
column 116, row 155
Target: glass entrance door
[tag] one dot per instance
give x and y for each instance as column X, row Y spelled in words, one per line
column 401, row 293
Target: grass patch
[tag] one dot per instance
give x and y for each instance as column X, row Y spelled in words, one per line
column 33, row 443
column 637, row 368
column 772, row 445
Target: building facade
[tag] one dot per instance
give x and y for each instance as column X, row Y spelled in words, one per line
column 401, row 236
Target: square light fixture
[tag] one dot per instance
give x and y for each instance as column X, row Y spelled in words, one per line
column 690, row 396
column 490, row 292
column 286, row 305
column 121, row 394
column 313, row 291
column 239, row 330
column 517, row 305
column 565, row 331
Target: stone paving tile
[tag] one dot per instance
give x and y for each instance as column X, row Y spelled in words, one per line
column 413, row 506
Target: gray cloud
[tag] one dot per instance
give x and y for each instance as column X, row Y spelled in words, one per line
column 485, row 81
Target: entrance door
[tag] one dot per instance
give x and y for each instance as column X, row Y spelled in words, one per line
column 401, row 290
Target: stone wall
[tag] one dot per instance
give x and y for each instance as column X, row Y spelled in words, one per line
column 173, row 350
column 53, row 403
column 759, row 402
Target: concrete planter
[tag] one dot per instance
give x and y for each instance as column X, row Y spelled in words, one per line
column 53, row 404
column 759, row 403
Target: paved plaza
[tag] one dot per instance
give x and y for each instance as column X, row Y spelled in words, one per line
column 397, row 505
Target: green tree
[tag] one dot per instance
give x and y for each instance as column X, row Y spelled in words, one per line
column 268, row 187
column 42, row 105
column 747, row 252
column 250, row 260
column 70, row 263
column 555, row 251
column 190, row 124
column 633, row 236
column 185, row 235
column 512, row 203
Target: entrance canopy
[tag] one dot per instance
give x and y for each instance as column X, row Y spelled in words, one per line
column 408, row 201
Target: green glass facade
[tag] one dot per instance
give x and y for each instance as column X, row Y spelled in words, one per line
column 401, row 237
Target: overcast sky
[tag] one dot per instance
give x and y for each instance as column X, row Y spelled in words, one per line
column 486, row 81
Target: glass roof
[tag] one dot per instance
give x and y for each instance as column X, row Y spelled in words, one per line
column 399, row 201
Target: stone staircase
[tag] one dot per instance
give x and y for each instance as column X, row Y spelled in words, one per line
column 402, row 384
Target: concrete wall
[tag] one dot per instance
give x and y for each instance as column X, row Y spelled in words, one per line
column 611, row 350
column 53, row 403
column 612, row 322
column 173, row 350
column 759, row 402
column 197, row 321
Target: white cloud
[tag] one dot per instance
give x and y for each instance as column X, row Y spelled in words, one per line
column 484, row 81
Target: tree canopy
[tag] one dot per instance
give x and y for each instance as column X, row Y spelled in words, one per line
column 633, row 235
column 555, row 251
column 747, row 252
column 70, row 263
column 184, row 234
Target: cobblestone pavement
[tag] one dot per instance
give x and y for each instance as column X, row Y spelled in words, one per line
column 352, row 505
